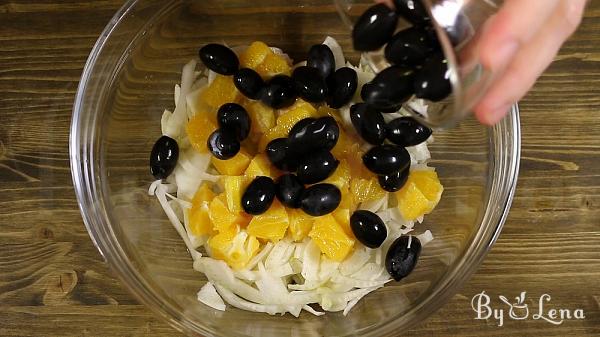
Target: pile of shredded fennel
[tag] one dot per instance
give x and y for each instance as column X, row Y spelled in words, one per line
column 287, row 276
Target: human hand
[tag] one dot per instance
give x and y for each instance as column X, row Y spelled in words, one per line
column 517, row 44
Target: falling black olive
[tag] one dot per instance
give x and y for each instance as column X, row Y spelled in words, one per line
column 342, row 85
column 368, row 228
column 234, row 117
column 321, row 58
column 248, row 82
column 432, row 81
column 386, row 159
column 401, row 259
column 219, row 59
column 163, row 157
column 279, row 92
column 258, row 196
column 289, row 190
column 407, row 131
column 316, row 167
column 409, row 47
column 374, row 28
column 368, row 123
column 223, row 144
column 391, row 87
column 310, row 84
column 320, row 134
column 412, row 10
column 280, row 156
column 395, row 181
column 320, row 199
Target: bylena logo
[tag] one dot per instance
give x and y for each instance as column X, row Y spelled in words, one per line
column 519, row 310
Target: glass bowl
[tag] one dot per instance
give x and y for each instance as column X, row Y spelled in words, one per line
column 127, row 83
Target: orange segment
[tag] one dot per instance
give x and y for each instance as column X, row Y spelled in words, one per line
column 341, row 175
column 199, row 221
column 221, row 217
column 272, row 65
column 234, row 187
column 262, row 117
column 254, row 55
column 260, row 166
column 234, row 166
column 428, row 183
column 274, row 133
column 221, row 91
column 412, row 203
column 342, row 217
column 198, row 129
column 204, row 194
column 366, row 189
column 300, row 224
column 270, row 225
column 330, row 237
column 299, row 111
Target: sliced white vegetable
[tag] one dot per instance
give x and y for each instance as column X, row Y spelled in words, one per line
column 336, row 49
column 240, row 303
column 209, row 296
column 368, row 272
column 246, row 275
column 354, row 301
column 280, row 254
column 352, row 264
column 177, row 94
column 310, row 265
column 177, row 121
column 211, row 76
column 313, row 311
column 425, row 237
column 260, row 256
column 327, row 268
column 164, row 121
column 419, row 153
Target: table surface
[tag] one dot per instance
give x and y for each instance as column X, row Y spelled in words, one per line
column 53, row 282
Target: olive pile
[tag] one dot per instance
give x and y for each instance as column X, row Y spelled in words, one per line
column 418, row 65
column 317, row 82
column 305, row 155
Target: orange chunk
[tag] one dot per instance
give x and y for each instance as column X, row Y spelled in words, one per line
column 260, row 166
column 342, row 217
column 428, row 183
column 199, row 218
column 254, row 55
column 234, row 166
column 341, row 175
column 344, row 144
column 299, row 111
column 270, row 225
column 204, row 194
column 300, row 224
column 274, row 133
column 234, row 187
column 233, row 246
column 354, row 158
column 330, row 237
column 220, row 91
column 221, row 217
column 412, row 203
column 198, row 129
column 221, row 242
column 366, row 189
column 262, row 117
column 272, row 65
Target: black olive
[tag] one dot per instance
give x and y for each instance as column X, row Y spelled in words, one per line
column 390, row 109
column 374, row 28
column 320, row 199
column 409, row 47
column 300, row 127
column 310, row 85
column 400, row 260
column 289, row 190
column 248, row 82
column 163, row 157
column 395, row 181
column 233, row 117
column 432, row 81
column 321, row 58
column 368, row 123
column 407, row 131
column 391, row 87
column 315, row 167
column 386, row 159
column 342, row 85
column 223, row 144
column 219, row 59
column 368, row 228
column 258, row 196
column 413, row 10
column 280, row 156
column 279, row 92
column 320, row 134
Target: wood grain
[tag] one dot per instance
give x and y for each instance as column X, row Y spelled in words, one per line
column 53, row 282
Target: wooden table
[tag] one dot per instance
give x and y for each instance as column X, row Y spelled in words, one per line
column 53, row 282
